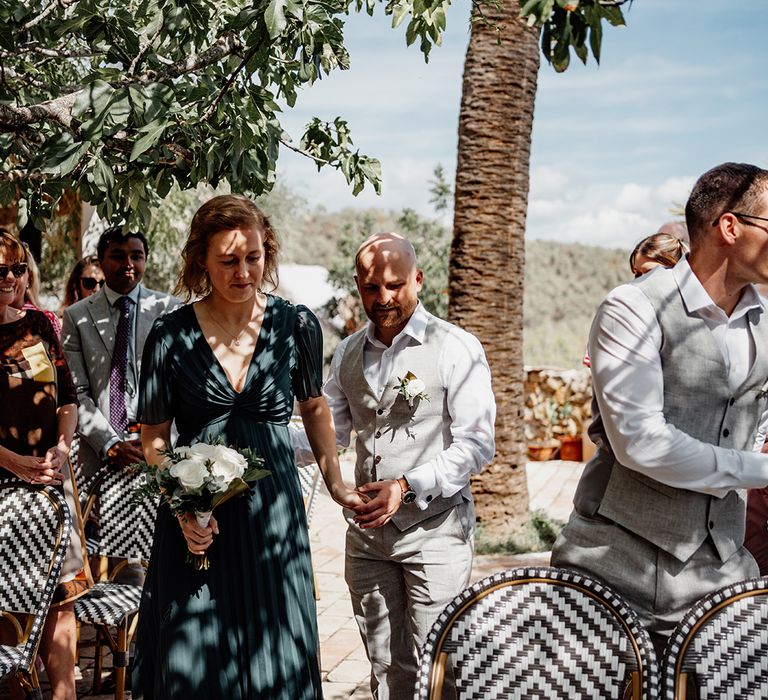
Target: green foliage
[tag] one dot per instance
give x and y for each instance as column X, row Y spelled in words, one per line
column 440, row 189
column 127, row 102
column 430, row 239
column 537, row 535
column 567, row 24
column 564, row 283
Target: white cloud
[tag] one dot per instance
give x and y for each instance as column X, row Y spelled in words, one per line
column 614, row 215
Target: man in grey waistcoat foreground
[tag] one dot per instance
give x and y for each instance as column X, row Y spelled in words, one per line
column 417, row 391
column 680, row 375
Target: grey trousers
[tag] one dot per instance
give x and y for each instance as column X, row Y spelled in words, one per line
column 399, row 583
column 656, row 585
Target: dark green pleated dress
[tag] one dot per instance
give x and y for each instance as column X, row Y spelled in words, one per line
column 245, row 628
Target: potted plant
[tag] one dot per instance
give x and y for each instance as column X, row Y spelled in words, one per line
column 570, row 442
column 545, row 448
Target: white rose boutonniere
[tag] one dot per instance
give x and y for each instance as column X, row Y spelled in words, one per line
column 412, row 388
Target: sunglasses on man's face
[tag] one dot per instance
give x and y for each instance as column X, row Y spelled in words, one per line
column 18, row 269
column 90, row 283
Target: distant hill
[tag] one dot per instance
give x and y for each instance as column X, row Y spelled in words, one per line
column 564, row 283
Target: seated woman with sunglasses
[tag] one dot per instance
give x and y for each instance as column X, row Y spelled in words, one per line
column 38, row 414
column 27, row 290
column 85, row 279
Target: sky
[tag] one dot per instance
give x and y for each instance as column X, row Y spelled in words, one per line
column 615, row 147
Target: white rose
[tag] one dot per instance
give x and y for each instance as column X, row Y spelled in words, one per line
column 190, row 472
column 204, row 452
column 228, row 465
column 414, row 387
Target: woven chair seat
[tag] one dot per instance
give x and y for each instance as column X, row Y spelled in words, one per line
column 126, row 527
column 108, row 603
column 34, row 533
column 309, row 480
column 10, row 659
column 538, row 634
column 722, row 644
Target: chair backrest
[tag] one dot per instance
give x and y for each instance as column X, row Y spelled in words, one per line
column 126, row 525
column 309, row 480
column 34, row 535
column 722, row 642
column 538, row 633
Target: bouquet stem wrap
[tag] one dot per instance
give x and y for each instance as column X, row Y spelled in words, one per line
column 198, row 478
column 200, row 561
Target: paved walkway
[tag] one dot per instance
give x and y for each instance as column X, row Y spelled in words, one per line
column 345, row 668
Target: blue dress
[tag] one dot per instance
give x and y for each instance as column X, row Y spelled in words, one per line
column 246, row 628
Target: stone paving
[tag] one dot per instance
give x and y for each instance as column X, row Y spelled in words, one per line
column 344, row 665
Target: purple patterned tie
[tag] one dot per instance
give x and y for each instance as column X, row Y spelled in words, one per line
column 118, row 416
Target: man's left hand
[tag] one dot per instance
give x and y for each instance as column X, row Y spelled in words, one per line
column 386, row 497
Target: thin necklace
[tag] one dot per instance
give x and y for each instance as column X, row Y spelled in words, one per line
column 235, row 338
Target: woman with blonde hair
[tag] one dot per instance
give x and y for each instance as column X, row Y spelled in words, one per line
column 659, row 249
column 38, row 414
column 27, row 290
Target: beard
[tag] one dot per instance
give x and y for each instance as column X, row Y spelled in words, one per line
column 391, row 316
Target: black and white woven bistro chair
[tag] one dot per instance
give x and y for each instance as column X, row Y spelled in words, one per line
column 720, row 647
column 310, row 480
column 126, row 530
column 538, row 634
column 34, row 534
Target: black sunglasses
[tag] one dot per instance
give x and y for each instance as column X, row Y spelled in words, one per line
column 90, row 283
column 18, row 269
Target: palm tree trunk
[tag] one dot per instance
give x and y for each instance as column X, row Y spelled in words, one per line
column 488, row 251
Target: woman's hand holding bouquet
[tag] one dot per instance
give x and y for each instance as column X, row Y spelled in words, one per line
column 192, row 481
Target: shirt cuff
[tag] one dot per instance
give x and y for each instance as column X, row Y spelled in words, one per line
column 423, row 483
column 108, row 447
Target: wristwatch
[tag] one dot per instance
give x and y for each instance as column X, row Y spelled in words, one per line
column 408, row 495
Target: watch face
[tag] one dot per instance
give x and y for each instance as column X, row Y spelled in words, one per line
column 409, row 497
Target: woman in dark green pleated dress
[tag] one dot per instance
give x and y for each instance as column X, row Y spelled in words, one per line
column 229, row 366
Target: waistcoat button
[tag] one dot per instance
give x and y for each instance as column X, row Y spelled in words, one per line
column 380, row 411
column 726, row 432
column 711, row 524
column 732, row 401
column 378, row 433
column 377, row 459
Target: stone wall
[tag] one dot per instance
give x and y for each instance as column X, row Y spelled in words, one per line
column 557, row 402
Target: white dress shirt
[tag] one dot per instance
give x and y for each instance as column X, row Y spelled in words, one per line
column 466, row 377
column 628, row 382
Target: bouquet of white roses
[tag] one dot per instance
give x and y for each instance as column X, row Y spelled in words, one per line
column 196, row 479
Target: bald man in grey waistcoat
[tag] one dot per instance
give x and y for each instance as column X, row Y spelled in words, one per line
column 417, row 391
column 680, row 382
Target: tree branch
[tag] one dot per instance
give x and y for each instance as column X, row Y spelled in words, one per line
column 212, row 109
column 225, row 45
column 47, row 11
column 302, row 152
column 58, row 110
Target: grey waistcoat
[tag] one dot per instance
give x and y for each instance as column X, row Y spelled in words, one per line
column 698, row 402
column 393, row 437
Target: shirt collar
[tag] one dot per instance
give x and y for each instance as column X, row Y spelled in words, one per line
column 416, row 328
column 696, row 298
column 113, row 296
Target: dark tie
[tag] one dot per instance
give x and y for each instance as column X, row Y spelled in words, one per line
column 118, row 416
